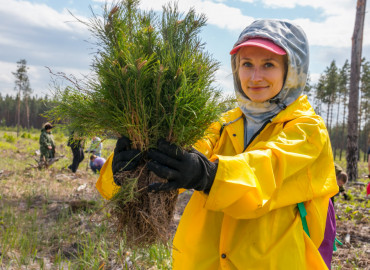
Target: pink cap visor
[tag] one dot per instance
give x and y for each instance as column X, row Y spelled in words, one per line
column 262, row 43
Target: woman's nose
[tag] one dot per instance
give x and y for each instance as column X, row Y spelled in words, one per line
column 256, row 75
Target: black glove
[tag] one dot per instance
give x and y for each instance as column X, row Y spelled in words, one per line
column 125, row 158
column 182, row 169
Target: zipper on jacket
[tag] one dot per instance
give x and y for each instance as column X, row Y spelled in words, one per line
column 255, row 134
column 228, row 123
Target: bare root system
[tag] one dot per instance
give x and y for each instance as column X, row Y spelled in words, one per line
column 143, row 218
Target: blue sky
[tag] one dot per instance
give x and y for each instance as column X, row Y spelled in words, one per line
column 45, row 34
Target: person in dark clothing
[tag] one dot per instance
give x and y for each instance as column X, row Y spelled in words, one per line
column 47, row 144
column 76, row 143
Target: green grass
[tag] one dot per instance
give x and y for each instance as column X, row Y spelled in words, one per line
column 39, row 229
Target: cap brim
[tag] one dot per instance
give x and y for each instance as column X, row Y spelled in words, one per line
column 261, row 43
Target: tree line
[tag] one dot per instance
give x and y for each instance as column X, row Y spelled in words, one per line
column 330, row 97
column 37, row 106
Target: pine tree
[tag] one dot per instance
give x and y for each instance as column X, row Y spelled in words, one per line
column 22, row 86
column 153, row 80
column 364, row 104
column 352, row 137
column 343, row 91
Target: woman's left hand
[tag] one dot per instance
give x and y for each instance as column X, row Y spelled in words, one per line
column 182, row 169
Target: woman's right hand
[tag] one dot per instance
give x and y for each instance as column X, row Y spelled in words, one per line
column 125, row 158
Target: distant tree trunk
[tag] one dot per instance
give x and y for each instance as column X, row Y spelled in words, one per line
column 331, row 111
column 343, row 123
column 27, row 112
column 352, row 137
column 18, row 111
column 327, row 118
column 365, row 131
column 337, row 124
column 359, row 126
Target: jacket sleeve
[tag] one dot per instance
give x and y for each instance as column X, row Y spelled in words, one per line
column 293, row 166
column 207, row 144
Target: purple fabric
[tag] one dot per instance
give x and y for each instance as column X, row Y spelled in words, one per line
column 98, row 162
column 326, row 247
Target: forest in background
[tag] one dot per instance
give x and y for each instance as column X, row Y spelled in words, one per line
column 329, row 97
column 37, row 107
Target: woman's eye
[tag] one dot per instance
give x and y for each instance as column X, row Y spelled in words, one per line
column 268, row 65
column 247, row 64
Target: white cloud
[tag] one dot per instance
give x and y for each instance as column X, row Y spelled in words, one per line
column 5, row 72
column 314, row 77
column 39, row 15
column 37, row 75
column 328, row 6
column 218, row 13
column 335, row 30
column 224, row 79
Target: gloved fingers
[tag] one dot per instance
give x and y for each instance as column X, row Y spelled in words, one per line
column 162, row 171
column 122, row 144
column 124, row 166
column 163, row 158
column 171, row 150
column 126, row 160
column 157, row 187
column 127, row 155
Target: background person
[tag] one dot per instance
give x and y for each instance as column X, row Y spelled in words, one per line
column 96, row 163
column 95, row 147
column 76, row 143
column 47, row 144
column 342, row 179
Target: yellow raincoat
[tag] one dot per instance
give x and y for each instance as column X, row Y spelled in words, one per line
column 250, row 218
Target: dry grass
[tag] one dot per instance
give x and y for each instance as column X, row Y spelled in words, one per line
column 55, row 219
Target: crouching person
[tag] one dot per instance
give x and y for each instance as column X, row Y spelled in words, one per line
column 96, row 163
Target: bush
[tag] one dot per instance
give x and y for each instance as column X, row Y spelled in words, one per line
column 26, row 135
column 9, row 138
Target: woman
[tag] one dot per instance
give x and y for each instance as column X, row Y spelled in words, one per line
column 255, row 166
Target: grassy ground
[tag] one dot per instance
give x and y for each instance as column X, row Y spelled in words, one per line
column 54, row 219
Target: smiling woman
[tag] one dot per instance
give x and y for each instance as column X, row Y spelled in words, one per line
column 248, row 210
column 261, row 72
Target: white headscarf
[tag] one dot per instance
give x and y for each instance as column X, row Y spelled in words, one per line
column 293, row 40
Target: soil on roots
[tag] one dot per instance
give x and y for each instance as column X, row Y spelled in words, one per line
column 143, row 218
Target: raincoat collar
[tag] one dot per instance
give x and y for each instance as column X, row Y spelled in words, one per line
column 300, row 107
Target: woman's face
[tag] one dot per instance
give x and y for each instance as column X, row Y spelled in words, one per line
column 261, row 73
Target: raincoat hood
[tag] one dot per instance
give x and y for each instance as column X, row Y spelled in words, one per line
column 293, row 40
